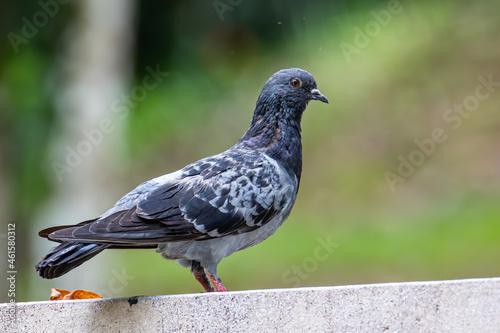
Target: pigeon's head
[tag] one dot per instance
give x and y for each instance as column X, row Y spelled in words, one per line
column 292, row 89
column 280, row 106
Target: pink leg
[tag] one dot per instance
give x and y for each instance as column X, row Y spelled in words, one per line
column 202, row 279
column 216, row 282
column 199, row 275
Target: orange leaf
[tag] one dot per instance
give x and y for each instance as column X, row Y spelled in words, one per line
column 81, row 294
column 58, row 294
column 61, row 294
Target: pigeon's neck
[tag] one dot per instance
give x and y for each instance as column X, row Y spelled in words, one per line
column 277, row 133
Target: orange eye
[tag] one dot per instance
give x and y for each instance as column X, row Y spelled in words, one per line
column 296, row 83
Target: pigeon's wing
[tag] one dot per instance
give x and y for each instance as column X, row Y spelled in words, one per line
column 214, row 197
column 222, row 195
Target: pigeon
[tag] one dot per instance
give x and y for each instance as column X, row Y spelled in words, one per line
column 221, row 204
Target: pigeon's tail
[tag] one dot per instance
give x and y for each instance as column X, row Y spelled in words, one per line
column 68, row 255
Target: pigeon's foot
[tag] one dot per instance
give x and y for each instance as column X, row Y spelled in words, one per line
column 199, row 274
column 216, row 282
column 202, row 279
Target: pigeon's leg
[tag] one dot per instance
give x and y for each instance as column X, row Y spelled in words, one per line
column 216, row 281
column 199, row 274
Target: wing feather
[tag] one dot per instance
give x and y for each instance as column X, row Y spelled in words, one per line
column 217, row 196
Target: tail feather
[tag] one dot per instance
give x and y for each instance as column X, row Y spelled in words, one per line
column 67, row 256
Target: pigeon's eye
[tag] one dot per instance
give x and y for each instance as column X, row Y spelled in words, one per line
column 296, row 83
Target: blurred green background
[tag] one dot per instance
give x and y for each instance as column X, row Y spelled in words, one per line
column 374, row 206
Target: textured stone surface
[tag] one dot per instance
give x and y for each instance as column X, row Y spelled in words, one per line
column 441, row 306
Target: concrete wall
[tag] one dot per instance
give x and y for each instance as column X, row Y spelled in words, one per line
column 442, row 306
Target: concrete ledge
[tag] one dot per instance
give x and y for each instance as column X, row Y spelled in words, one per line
column 441, row 306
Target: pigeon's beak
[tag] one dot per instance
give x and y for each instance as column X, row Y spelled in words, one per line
column 318, row 96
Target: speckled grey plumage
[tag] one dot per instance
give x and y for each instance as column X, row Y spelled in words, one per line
column 213, row 207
